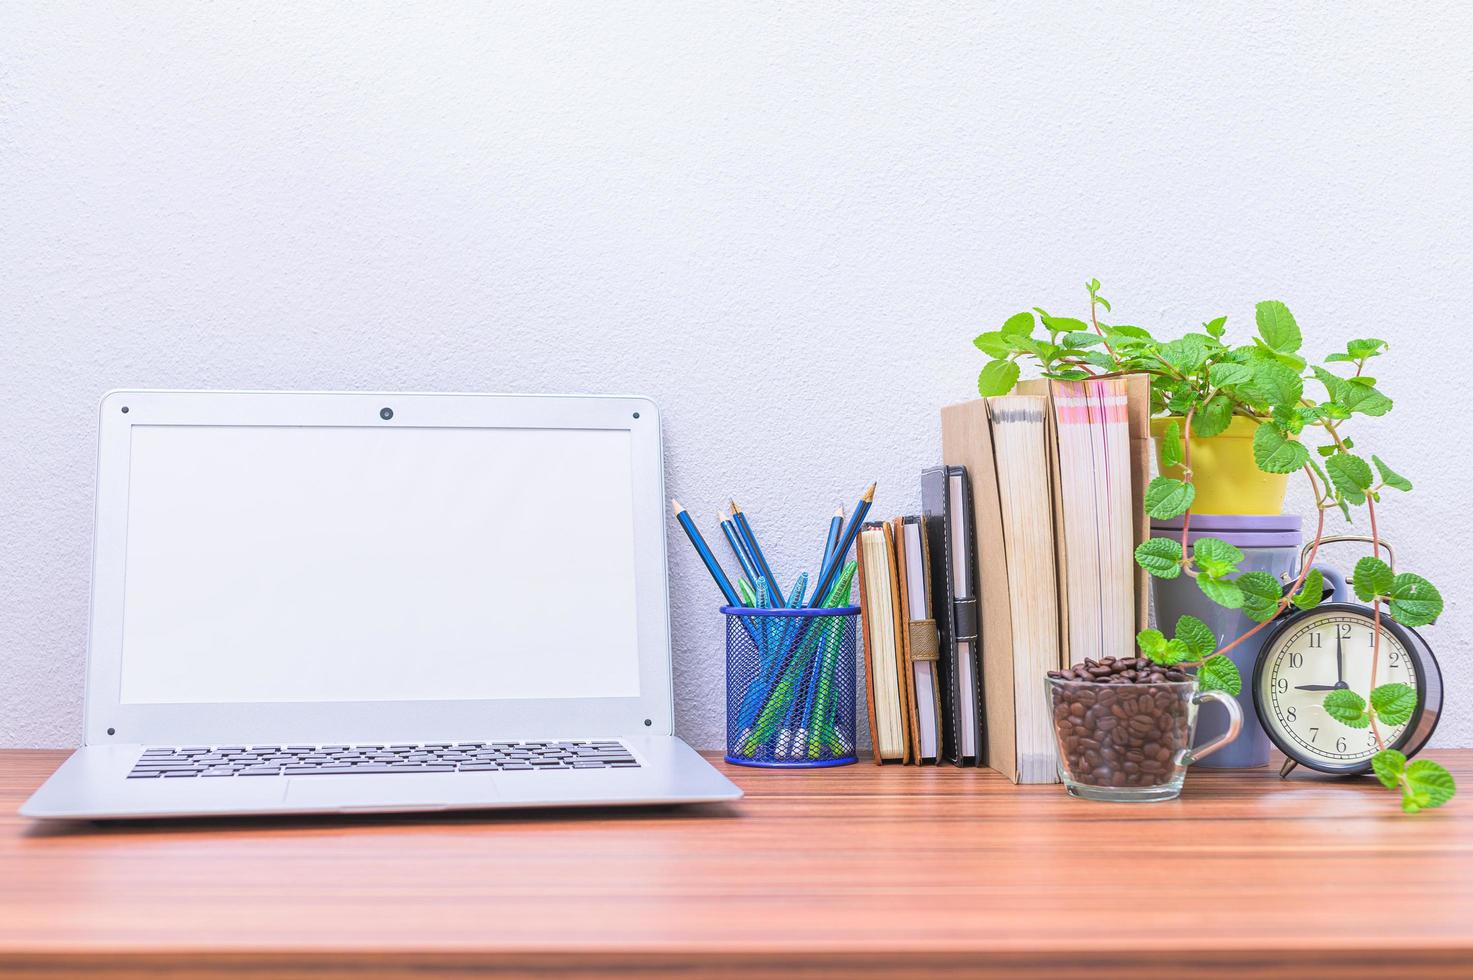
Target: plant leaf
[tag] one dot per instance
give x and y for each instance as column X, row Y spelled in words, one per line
column 1079, row 339
column 1388, row 765
column 993, row 343
column 1152, row 642
column 1216, row 328
column 1366, row 348
column 1126, row 330
column 1389, row 478
column 1275, row 452
column 1216, row 557
column 997, row 378
column 1429, row 784
column 1277, row 327
column 1219, row 674
column 1221, row 591
column 1350, row 474
column 1171, row 444
column 1360, row 395
column 1394, row 703
column 1197, row 635
column 1348, row 708
column 1261, row 595
column 1312, row 592
column 1160, row 557
column 1018, row 325
column 1373, row 577
column 1211, row 419
column 1167, row 498
column 1187, row 354
column 1169, row 653
column 1332, row 382
column 1414, row 600
column 1276, row 384
column 1225, row 374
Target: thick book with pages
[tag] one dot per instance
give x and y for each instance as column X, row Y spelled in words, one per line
column 881, row 619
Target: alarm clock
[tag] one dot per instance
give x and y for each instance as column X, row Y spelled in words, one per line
column 1311, row 652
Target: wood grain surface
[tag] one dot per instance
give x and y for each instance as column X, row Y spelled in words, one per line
column 853, row 871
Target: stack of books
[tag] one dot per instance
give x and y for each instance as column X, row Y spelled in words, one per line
column 900, row 640
column 1058, row 473
column 1020, row 563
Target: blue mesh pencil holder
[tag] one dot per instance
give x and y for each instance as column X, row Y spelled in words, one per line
column 790, row 687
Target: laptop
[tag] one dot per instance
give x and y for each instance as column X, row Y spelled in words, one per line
column 358, row 602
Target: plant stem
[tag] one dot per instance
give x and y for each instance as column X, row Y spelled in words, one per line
column 1375, row 603
column 1186, row 471
column 1096, row 321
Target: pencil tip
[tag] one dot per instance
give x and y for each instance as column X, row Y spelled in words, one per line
column 869, row 495
column 734, row 508
column 839, row 512
column 676, row 504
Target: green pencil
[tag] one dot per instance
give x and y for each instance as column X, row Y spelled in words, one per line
column 821, row 725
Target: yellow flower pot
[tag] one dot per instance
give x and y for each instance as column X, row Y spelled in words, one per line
column 1227, row 479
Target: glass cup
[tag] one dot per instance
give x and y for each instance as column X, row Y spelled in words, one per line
column 1131, row 743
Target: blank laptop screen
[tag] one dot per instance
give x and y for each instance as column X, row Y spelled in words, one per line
column 270, row 563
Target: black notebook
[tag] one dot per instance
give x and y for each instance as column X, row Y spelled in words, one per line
column 946, row 502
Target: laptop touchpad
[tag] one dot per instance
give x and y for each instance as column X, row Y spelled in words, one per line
column 419, row 791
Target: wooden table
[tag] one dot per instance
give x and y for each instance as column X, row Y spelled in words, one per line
column 849, row 871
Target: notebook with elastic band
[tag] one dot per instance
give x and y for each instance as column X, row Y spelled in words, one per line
column 946, row 503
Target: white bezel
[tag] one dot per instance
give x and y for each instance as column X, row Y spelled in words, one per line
column 110, row 721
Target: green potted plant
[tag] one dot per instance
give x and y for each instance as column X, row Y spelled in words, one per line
column 1217, row 405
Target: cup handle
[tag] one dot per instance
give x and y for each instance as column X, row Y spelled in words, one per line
column 1235, row 724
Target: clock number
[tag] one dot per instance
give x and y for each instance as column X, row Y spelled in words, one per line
column 1291, row 714
column 1316, row 641
column 1314, row 734
column 1339, row 745
column 1282, row 685
column 1395, row 657
column 1296, row 660
column 1342, row 630
column 1370, row 738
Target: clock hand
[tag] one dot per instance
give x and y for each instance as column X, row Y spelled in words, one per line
column 1317, row 687
column 1340, row 684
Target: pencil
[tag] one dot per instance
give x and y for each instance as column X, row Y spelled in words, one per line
column 846, row 541
column 712, row 565
column 835, row 527
column 729, row 529
column 744, row 529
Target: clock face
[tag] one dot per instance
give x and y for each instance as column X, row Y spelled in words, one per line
column 1316, row 654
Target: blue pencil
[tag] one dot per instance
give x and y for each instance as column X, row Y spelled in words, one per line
column 712, row 565
column 836, row 561
column 744, row 529
column 729, row 529
column 835, row 527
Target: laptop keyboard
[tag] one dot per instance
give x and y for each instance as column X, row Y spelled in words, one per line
column 206, row 761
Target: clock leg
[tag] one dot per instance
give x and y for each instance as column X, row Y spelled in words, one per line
column 1289, row 766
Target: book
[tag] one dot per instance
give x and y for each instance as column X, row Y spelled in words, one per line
column 1095, row 532
column 946, row 505
column 919, row 639
column 880, row 621
column 1021, row 448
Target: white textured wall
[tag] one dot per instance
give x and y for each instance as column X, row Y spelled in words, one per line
column 784, row 222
